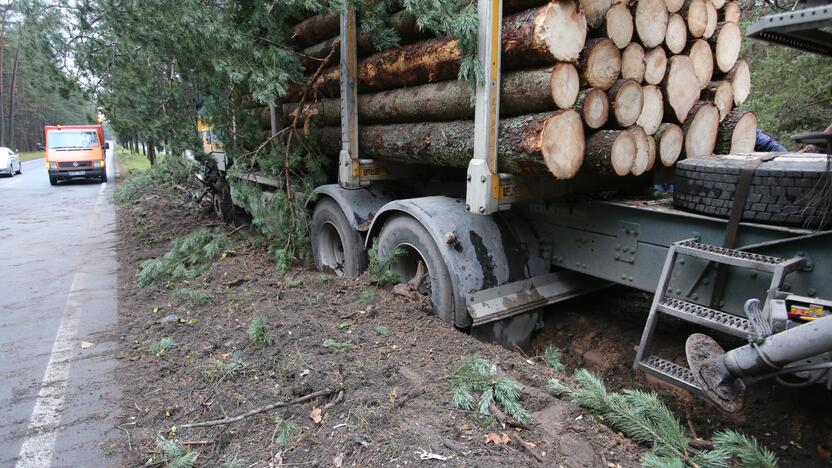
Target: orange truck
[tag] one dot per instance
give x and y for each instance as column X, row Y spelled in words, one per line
column 75, row 152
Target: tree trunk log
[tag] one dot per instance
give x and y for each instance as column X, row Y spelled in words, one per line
column 713, row 20
column 737, row 133
column 600, row 64
column 632, row 62
column 626, row 101
column 645, row 153
column 652, row 110
column 651, row 22
column 730, row 13
column 594, row 106
column 680, row 86
column 610, row 152
column 595, row 11
column 548, row 33
column 671, row 139
column 521, row 92
column 695, row 13
column 316, row 29
column 677, row 34
column 726, row 41
column 528, row 144
column 618, row 26
column 564, row 85
column 703, row 61
column 701, row 128
column 721, row 93
column 673, row 6
column 655, row 65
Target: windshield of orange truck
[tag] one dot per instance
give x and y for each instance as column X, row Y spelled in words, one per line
column 71, row 139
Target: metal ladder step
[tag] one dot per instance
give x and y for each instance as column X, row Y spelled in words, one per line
column 739, row 258
column 701, row 315
column 671, row 373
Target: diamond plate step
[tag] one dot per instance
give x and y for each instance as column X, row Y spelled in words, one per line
column 671, row 373
column 710, row 318
column 734, row 257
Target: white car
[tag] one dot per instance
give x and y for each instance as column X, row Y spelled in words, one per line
column 9, row 162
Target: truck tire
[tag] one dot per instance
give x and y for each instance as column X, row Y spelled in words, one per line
column 336, row 245
column 53, row 180
column 104, row 178
column 783, row 191
column 415, row 243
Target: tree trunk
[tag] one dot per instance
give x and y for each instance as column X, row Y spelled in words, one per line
column 539, row 36
column 695, row 13
column 594, row 106
column 651, row 22
column 703, row 61
column 632, row 62
column 151, row 151
column 610, row 152
column 701, row 128
column 652, row 110
column 721, row 93
column 671, row 139
column 677, row 34
column 726, row 41
column 655, row 65
column 737, row 133
column 618, row 26
column 527, row 144
column 2, row 49
column 681, row 88
column 522, row 92
column 316, row 29
column 11, row 95
column 626, row 100
column 600, row 64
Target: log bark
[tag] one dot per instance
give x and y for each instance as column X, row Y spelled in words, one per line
column 740, row 78
column 521, row 92
column 618, row 25
column 315, row 29
column 564, row 85
column 721, row 93
column 655, row 65
column 677, row 34
column 681, row 88
column 644, row 159
column 610, row 152
column 552, row 32
column 652, row 109
column 594, row 106
column 713, row 19
column 701, row 128
column 671, row 139
column 626, row 101
column 737, row 133
column 730, row 12
column 726, row 41
column 673, row 6
column 595, row 11
column 651, row 22
column 531, row 144
column 695, row 13
column 703, row 61
column 600, row 65
column 632, row 62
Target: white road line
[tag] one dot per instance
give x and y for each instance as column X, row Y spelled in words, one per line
column 11, row 183
column 37, row 449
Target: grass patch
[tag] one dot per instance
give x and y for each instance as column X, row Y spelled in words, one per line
column 194, row 296
column 284, row 432
column 162, row 346
column 30, row 155
column 338, row 346
column 219, row 370
column 382, row 329
column 259, row 333
column 133, row 162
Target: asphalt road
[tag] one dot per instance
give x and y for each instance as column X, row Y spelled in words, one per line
column 58, row 307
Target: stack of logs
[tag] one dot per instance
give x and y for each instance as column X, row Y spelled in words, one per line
column 596, row 86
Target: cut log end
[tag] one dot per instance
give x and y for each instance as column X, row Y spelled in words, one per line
column 642, row 162
column 721, row 93
column 651, row 22
column 670, row 138
column 740, row 77
column 703, row 61
column 626, row 99
column 701, row 130
column 610, row 152
column 728, row 43
column 731, row 12
column 673, row 6
column 677, row 34
column 595, row 11
column 563, row 30
column 713, row 19
column 562, row 143
column 652, row 109
column 655, row 65
column 744, row 136
column 595, row 108
column 564, row 85
column 681, row 86
column 619, row 25
column 601, row 64
column 696, row 15
column 632, row 62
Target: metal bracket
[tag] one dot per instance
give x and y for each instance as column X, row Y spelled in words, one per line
column 626, row 242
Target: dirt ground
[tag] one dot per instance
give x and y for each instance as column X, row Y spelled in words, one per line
column 386, row 398
column 388, row 404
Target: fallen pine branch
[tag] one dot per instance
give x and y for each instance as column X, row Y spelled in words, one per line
column 262, row 409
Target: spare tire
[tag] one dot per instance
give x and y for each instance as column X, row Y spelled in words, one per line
column 790, row 189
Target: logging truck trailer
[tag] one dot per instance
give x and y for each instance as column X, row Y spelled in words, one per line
column 497, row 248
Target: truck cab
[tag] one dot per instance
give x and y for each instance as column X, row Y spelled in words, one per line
column 75, row 152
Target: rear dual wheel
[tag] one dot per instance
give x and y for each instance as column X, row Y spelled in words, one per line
column 336, row 244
